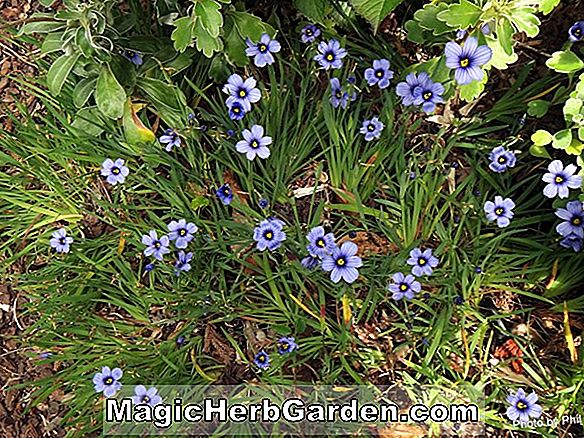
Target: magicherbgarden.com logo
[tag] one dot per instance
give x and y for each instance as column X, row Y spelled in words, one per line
column 524, row 411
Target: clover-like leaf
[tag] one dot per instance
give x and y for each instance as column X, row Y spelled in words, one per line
column 565, row 61
column 461, row 15
column 541, row 137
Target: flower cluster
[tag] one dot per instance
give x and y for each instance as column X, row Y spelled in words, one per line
column 108, row 382
column 181, row 233
column 285, row 345
column 242, row 93
column 423, row 264
column 342, row 262
column 420, row 90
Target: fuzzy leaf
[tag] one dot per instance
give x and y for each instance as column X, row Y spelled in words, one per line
column 109, row 94
column 59, row 71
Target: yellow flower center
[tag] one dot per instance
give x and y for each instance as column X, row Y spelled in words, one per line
column 576, row 221
column 464, row 62
column 422, row 261
column 403, row 287
column 499, row 211
column 115, row 170
column 146, row 399
column 427, row 95
column 502, row 160
column 330, row 57
column 242, row 93
column 320, row 242
column 341, row 262
column 235, row 109
column 379, row 73
column 269, row 235
column 262, row 48
column 182, row 232
column 108, row 381
column 521, row 405
column 559, row 179
column 255, row 144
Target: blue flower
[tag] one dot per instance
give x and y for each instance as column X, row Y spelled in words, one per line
column 287, row 345
column 343, row 263
column 330, row 55
column 573, row 241
column 309, row 33
column 143, row 396
column 155, row 246
column 149, row 267
column 310, row 262
column 320, row 244
column 262, row 50
column 467, row 60
column 573, row 216
column 501, row 210
column 523, row 406
column 263, row 203
column 560, row 180
column 269, row 235
column 108, row 381
column 371, row 128
column 60, row 241
column 115, row 171
column 181, row 232
column 404, row 286
column 230, row 133
column 236, row 109
column 501, row 159
column 262, row 360
column 244, row 92
column 182, row 264
column 254, row 143
column 406, row 89
column 422, row 261
column 380, row 74
column 576, row 32
column 134, row 57
column 428, row 94
column 171, row 139
column 225, row 194
column 339, row 97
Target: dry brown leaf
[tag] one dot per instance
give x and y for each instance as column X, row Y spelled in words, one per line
column 402, row 430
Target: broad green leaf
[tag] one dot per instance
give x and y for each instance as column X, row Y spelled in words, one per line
column 52, row 42
column 461, row 15
column 581, row 134
column 575, row 148
column 135, row 131
column 416, row 33
column 250, row 26
column 541, row 137
column 235, row 46
column 219, row 70
column 59, row 71
column 314, row 10
column 546, row 6
column 109, row 94
column 505, row 33
column 374, row 11
column 88, row 122
column 206, row 43
column 41, row 27
column 538, row 108
column 427, row 18
column 500, row 60
column 565, row 62
column 562, row 139
column 238, row 27
column 209, row 15
column 539, row 151
column 182, row 35
column 83, row 90
column 572, row 107
column 526, row 20
column 169, row 100
column 470, row 92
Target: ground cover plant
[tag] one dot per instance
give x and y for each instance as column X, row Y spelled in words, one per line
column 331, row 192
